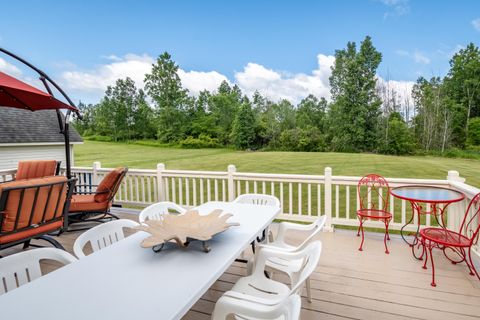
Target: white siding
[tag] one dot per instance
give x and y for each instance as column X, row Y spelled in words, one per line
column 9, row 156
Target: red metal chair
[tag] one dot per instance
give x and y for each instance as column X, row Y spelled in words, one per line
column 373, row 193
column 459, row 242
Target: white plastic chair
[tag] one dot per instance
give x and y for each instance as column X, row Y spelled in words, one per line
column 290, row 267
column 257, row 297
column 102, row 236
column 156, row 210
column 258, row 199
column 24, row 267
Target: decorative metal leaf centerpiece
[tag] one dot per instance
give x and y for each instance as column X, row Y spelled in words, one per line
column 184, row 228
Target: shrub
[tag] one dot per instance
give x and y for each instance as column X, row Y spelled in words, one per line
column 309, row 139
column 400, row 140
column 98, row 138
column 202, row 141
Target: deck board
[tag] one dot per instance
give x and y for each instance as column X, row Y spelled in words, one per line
column 348, row 284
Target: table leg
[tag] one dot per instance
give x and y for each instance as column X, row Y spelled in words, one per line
column 416, row 243
column 402, row 233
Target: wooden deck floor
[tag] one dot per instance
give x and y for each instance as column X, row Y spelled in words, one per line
column 349, row 284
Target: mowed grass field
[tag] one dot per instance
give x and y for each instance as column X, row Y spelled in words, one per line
column 349, row 164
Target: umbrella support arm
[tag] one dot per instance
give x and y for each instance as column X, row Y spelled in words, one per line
column 64, row 125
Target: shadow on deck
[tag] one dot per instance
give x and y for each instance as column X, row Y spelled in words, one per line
column 349, row 284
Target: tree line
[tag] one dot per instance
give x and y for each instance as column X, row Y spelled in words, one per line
column 364, row 114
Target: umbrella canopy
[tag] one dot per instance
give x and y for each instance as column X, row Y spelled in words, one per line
column 17, row 94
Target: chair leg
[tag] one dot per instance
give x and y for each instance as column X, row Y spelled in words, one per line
column 433, row 284
column 52, row 241
column 426, row 255
column 114, row 216
column 385, row 237
column 26, row 244
column 363, row 235
column 309, row 290
column 472, row 264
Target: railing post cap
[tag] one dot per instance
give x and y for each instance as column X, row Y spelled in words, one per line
column 454, row 175
column 160, row 166
column 328, row 169
column 232, row 168
column 97, row 164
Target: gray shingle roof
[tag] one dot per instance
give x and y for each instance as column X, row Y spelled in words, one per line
column 23, row 126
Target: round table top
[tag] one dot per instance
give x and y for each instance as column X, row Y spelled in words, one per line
column 428, row 194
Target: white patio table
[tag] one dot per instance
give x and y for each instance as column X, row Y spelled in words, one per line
column 125, row 281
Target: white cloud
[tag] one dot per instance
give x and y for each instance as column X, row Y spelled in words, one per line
column 402, row 89
column 90, row 85
column 476, row 24
column 398, row 7
column 277, row 85
column 10, row 68
column 419, row 57
column 95, row 82
column 196, row 81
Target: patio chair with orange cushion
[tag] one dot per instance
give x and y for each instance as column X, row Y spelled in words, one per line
column 30, row 209
column 92, row 203
column 32, row 169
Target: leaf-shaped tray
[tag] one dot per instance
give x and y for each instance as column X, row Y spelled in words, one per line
column 184, row 228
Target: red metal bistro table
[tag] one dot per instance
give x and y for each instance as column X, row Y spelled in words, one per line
column 437, row 197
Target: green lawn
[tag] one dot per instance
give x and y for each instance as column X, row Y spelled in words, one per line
column 146, row 157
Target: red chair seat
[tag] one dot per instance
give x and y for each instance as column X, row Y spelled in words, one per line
column 445, row 237
column 86, row 202
column 374, row 214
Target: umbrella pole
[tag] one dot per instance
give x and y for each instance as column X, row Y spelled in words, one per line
column 66, row 134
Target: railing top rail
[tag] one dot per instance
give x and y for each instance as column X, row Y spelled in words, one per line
column 468, row 190
column 399, row 181
column 274, row 176
column 194, row 173
column 8, row 171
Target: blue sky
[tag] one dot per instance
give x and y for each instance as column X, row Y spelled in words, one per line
column 270, row 45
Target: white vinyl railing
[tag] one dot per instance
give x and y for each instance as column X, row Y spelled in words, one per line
column 303, row 197
column 7, row 175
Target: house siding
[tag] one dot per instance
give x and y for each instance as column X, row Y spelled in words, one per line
column 10, row 155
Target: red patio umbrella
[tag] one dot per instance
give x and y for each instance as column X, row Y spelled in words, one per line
column 17, row 94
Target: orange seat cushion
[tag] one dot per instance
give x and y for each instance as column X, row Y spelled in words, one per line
column 86, row 203
column 49, row 227
column 107, row 185
column 35, row 169
column 45, row 207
